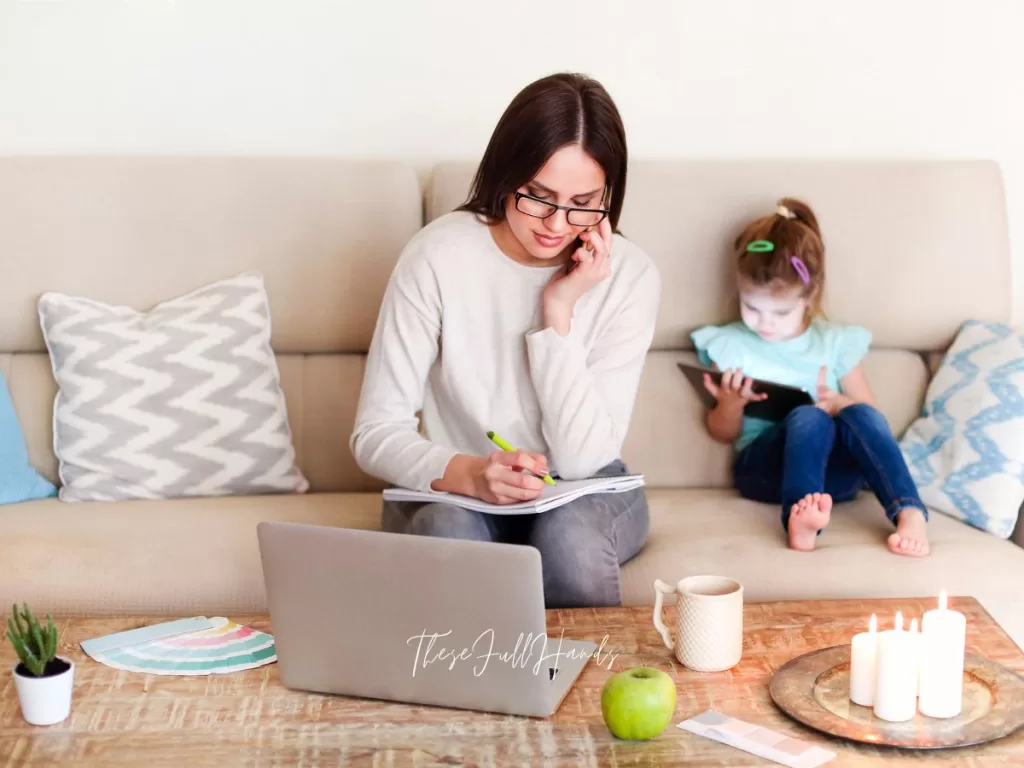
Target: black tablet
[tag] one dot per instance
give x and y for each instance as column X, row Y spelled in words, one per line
column 780, row 401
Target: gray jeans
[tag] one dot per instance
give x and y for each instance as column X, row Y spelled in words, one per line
column 582, row 543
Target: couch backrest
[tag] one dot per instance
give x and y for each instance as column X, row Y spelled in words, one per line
column 914, row 248
column 324, row 232
column 898, row 235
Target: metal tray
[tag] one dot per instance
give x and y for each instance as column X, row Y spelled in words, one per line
column 814, row 689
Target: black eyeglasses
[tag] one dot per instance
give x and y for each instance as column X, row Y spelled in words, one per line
column 541, row 209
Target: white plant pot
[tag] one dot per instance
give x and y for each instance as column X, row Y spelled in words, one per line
column 45, row 700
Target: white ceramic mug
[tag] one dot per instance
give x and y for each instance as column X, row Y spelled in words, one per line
column 709, row 621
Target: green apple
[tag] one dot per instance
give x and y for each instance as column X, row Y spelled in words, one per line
column 638, row 703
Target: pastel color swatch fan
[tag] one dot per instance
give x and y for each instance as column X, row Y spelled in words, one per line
column 195, row 646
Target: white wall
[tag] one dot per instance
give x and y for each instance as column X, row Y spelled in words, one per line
column 427, row 80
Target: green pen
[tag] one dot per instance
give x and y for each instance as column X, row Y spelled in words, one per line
column 509, row 449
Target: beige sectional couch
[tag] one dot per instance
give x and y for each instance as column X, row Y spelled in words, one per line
column 914, row 248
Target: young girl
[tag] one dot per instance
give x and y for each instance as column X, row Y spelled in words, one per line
column 818, row 454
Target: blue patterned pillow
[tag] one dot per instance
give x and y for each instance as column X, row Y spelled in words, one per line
column 966, row 451
column 18, row 480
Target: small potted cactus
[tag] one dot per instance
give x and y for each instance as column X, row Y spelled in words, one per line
column 43, row 679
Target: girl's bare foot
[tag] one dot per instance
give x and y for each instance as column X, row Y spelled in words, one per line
column 806, row 518
column 911, row 537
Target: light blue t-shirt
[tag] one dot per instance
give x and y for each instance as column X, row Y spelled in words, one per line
column 794, row 362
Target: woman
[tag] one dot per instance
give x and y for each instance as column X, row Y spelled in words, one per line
column 522, row 313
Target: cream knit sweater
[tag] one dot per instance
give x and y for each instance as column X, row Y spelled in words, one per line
column 459, row 341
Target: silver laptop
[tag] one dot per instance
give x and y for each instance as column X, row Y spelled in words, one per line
column 415, row 619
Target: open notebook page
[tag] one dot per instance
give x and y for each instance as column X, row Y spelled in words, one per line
column 552, row 496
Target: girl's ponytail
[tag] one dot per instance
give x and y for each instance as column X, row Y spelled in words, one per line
column 785, row 248
column 799, row 210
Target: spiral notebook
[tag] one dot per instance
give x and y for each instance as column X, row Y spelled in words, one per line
column 551, row 497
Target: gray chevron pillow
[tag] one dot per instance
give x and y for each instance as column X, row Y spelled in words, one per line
column 182, row 400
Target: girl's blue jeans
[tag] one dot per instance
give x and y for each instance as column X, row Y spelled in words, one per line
column 812, row 452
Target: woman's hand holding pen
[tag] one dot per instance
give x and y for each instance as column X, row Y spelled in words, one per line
column 503, row 481
column 587, row 267
column 496, row 479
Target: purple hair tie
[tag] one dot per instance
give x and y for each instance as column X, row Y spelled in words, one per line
column 801, row 269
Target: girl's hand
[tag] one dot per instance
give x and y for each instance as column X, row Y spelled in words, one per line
column 734, row 391
column 585, row 269
column 829, row 400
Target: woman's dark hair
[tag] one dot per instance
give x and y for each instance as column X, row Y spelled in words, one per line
column 548, row 114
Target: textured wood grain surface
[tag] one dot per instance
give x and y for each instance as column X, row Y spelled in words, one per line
column 250, row 719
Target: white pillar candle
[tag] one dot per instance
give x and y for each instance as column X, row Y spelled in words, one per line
column 896, row 675
column 862, row 665
column 917, row 651
column 943, row 640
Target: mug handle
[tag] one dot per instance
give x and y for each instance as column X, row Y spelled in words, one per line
column 660, row 590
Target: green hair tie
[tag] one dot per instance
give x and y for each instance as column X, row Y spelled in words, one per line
column 761, row 246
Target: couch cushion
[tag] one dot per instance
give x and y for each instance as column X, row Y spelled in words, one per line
column 321, row 391
column 324, row 231
column 896, row 234
column 696, row 532
column 667, row 440
column 174, row 557
column 201, row 556
column 669, row 444
column 313, row 227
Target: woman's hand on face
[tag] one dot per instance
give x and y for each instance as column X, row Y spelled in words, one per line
column 585, row 269
column 500, row 479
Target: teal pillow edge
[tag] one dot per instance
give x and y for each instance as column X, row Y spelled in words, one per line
column 19, row 480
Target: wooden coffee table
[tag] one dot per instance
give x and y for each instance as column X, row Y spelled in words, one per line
column 249, row 718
